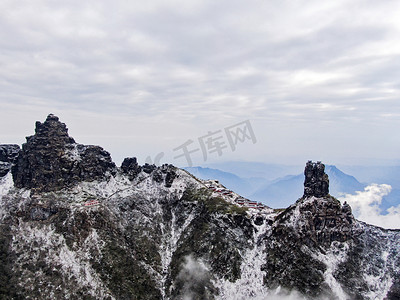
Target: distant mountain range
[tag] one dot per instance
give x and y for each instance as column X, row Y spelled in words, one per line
column 243, row 186
column 274, row 184
column 283, row 191
column 375, row 174
column 266, row 171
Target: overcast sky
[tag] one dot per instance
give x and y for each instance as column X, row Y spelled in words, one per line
column 316, row 79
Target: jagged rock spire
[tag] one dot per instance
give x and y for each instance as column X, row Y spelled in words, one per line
column 316, row 182
column 51, row 131
column 51, row 160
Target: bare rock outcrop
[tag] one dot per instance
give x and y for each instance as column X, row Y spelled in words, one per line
column 51, row 160
column 316, row 182
column 8, row 155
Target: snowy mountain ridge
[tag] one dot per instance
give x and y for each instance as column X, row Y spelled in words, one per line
column 75, row 226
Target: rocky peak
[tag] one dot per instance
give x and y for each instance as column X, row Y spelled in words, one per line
column 51, row 160
column 316, row 181
column 319, row 218
column 130, row 167
column 52, row 131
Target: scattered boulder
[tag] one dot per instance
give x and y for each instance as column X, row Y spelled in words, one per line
column 157, row 176
column 147, row 168
column 169, row 178
column 131, row 167
column 346, row 209
column 170, row 172
column 4, row 168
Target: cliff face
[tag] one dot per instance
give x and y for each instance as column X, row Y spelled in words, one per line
column 75, row 226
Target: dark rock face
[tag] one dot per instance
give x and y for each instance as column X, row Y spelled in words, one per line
column 170, row 174
column 164, row 174
column 315, row 223
column 316, row 182
column 8, row 154
column 51, row 160
column 147, row 168
column 130, row 167
column 325, row 222
column 4, row 168
column 169, row 178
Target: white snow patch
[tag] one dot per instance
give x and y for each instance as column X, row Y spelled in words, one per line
column 385, row 255
column 6, row 184
column 250, row 284
column 73, row 264
column 73, row 154
column 378, row 288
column 169, row 246
column 378, row 279
column 337, row 254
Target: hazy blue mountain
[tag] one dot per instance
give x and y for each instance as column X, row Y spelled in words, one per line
column 242, row 186
column 279, row 192
column 376, row 174
column 282, row 192
column 271, row 184
column 342, row 183
column 256, row 169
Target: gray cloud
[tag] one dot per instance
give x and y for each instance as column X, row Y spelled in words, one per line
column 195, row 66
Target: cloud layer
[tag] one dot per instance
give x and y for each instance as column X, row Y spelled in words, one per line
column 365, row 205
column 186, row 64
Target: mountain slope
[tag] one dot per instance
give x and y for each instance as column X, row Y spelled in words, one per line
column 147, row 232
